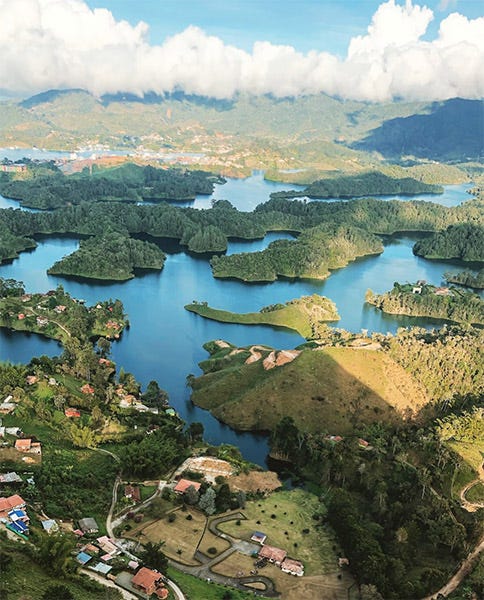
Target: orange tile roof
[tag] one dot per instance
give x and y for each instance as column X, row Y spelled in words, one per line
column 272, row 553
column 184, row 484
column 23, row 444
column 146, row 578
column 11, row 502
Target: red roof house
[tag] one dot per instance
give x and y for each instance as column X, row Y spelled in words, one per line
column 72, row 413
column 294, row 567
column 147, row 581
column 23, row 445
column 9, row 503
column 272, row 554
column 133, row 492
column 182, row 486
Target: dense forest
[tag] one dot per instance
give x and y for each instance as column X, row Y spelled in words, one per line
column 208, row 230
column 111, row 256
column 311, row 255
column 428, row 301
column 467, row 279
column 464, row 241
column 128, row 182
column 373, row 183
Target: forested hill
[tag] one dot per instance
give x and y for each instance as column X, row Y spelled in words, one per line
column 128, row 182
column 372, row 183
column 464, row 241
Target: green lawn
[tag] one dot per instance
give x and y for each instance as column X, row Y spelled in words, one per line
column 198, row 589
column 476, row 493
column 283, row 517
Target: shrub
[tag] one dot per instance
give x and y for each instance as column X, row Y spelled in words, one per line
column 189, row 517
column 212, row 550
column 171, row 517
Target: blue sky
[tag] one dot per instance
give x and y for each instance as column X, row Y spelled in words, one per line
column 304, row 24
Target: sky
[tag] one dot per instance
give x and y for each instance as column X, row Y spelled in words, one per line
column 360, row 49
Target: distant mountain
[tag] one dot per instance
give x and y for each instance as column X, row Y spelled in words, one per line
column 303, row 131
column 451, row 130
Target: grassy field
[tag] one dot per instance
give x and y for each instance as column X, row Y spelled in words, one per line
column 327, row 388
column 198, row 589
column 302, row 315
column 181, row 537
column 282, row 517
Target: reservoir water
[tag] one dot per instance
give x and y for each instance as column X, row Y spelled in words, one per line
column 165, row 342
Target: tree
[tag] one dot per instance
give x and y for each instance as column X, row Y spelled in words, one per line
column 54, row 553
column 191, row 495
column 224, row 497
column 154, row 557
column 207, row 501
column 57, row 592
column 195, row 431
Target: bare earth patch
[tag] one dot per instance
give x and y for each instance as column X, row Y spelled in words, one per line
column 255, row 481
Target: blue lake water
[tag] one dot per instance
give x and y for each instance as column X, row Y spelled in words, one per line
column 165, row 342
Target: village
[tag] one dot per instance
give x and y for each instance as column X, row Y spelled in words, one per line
column 223, row 548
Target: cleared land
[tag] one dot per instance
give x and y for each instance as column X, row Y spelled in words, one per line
column 321, row 389
column 293, row 512
column 180, row 535
column 304, row 315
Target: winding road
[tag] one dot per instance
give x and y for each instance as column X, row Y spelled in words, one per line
column 471, row 559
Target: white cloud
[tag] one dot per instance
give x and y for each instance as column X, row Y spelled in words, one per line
column 48, row 44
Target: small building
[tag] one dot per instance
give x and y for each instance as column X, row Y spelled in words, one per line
column 133, row 493
column 72, row 413
column 87, row 389
column 88, row 525
column 101, row 568
column 11, row 477
column 83, row 558
column 258, row 537
column 294, row 567
column 272, row 554
column 32, row 379
column 107, row 545
column 342, row 562
column 417, row 289
column 149, row 582
column 23, row 444
column 442, row 291
column 50, row 526
column 60, row 308
column 7, row 407
column 42, row 321
column 182, row 486
column 133, row 565
column 10, row 503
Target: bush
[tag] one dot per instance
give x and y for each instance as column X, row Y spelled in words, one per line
column 171, row 517
column 273, row 516
column 212, row 550
column 189, row 517
column 237, row 522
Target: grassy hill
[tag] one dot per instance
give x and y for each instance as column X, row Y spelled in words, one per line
column 325, row 389
column 304, row 315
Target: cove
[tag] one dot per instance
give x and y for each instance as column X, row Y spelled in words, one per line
column 165, row 341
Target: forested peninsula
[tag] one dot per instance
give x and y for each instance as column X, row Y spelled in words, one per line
column 306, row 315
column 46, row 187
column 111, row 256
column 373, row 183
column 424, row 300
column 467, row 279
column 464, row 241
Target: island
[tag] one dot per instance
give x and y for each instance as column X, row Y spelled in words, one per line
column 464, row 241
column 310, row 256
column 467, row 279
column 305, row 315
column 371, row 183
column 111, row 256
column 55, row 314
column 421, row 299
column 45, row 186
